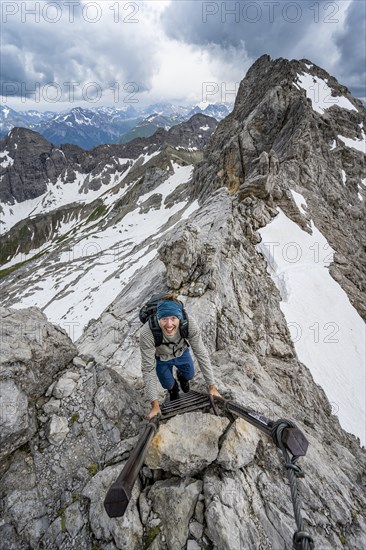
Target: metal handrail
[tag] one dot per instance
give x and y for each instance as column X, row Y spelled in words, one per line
column 119, row 494
column 292, row 437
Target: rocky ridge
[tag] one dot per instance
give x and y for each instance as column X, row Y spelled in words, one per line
column 226, row 484
column 33, row 162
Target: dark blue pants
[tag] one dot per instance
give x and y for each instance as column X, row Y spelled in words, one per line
column 164, row 369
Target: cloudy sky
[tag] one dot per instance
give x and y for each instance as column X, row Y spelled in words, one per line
column 63, row 53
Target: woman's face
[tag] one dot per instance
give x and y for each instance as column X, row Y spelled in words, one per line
column 169, row 325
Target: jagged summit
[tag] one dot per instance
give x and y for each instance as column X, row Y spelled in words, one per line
column 279, row 104
column 267, row 73
column 281, row 137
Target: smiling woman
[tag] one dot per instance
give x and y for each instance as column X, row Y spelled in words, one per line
column 169, row 325
column 178, row 333
column 169, row 313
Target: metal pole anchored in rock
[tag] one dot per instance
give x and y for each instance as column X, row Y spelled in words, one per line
column 119, row 493
column 292, row 437
column 289, row 438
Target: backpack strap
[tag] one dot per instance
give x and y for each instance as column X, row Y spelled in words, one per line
column 184, row 325
column 156, row 330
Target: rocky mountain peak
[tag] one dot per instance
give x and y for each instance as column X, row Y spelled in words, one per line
column 28, row 162
column 31, row 164
column 294, row 126
column 280, row 102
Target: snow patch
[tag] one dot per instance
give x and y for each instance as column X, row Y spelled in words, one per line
column 58, row 194
column 189, row 211
column 101, row 262
column 299, row 200
column 146, row 158
column 344, row 177
column 320, row 94
column 359, row 144
column 361, row 187
column 8, row 160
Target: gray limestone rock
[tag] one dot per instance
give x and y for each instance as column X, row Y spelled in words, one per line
column 58, row 430
column 239, row 446
column 15, row 423
column 145, row 507
column 79, row 362
column 65, row 386
column 26, row 370
column 26, row 510
column 191, row 254
column 187, row 444
column 52, row 406
column 127, row 531
column 42, row 350
column 199, row 511
column 196, row 529
column 174, row 501
column 230, row 523
column 74, row 519
column 155, row 545
column 182, row 255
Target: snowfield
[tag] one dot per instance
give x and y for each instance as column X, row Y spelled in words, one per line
column 57, row 194
column 327, row 332
column 101, row 262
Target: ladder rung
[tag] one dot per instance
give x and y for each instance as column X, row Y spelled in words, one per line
column 187, row 402
column 170, row 414
column 184, row 401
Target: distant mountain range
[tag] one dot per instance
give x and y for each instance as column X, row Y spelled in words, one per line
column 88, row 128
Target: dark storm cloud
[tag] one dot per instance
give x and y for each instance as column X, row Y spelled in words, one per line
column 351, row 45
column 37, row 52
column 261, row 25
column 279, row 28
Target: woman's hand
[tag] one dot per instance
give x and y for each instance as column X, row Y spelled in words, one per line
column 154, row 410
column 213, row 390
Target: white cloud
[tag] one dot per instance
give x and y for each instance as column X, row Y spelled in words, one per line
column 188, row 73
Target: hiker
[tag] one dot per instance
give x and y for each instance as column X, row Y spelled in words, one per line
column 171, row 321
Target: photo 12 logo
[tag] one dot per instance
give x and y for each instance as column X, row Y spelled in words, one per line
column 68, row 11
column 255, row 12
column 70, row 92
column 222, row 92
